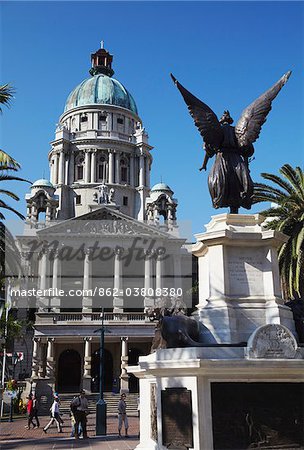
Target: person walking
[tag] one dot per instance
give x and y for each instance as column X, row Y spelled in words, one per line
column 122, row 415
column 80, row 409
column 30, row 412
column 35, row 411
column 55, row 416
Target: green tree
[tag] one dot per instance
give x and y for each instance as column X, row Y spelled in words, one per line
column 287, row 216
column 8, row 165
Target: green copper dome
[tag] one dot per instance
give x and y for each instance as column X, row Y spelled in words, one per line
column 161, row 187
column 42, row 182
column 100, row 90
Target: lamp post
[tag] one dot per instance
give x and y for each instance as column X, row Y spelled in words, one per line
column 15, row 359
column 101, row 406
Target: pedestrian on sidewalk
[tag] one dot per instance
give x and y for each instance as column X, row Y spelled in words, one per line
column 73, row 423
column 35, row 410
column 122, row 415
column 55, row 416
column 80, row 410
column 30, row 412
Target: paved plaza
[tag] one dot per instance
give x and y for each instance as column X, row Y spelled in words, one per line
column 15, row 436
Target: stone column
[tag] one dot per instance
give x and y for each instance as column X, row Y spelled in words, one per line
column 147, row 172
column 51, row 170
column 41, row 360
column 93, row 167
column 149, row 297
column 132, row 179
column 55, row 172
column 87, row 166
column 159, row 273
column 61, row 168
column 124, row 377
column 87, row 282
column 177, row 271
column 86, row 383
column 43, row 271
column 50, row 361
column 117, row 167
column 66, row 169
column 118, row 282
column 90, row 121
column 48, row 213
column 111, row 166
column 35, row 363
column 141, row 170
column 56, row 283
column 72, row 168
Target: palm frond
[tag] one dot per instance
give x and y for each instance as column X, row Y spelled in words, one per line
column 6, row 94
column 294, row 177
column 8, row 177
column 9, row 208
column 8, row 161
column 10, row 194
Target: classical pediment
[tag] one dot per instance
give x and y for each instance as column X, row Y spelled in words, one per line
column 103, row 222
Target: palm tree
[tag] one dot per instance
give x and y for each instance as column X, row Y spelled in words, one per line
column 8, row 167
column 6, row 94
column 7, row 163
column 286, row 215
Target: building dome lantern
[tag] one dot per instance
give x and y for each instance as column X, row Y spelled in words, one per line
column 101, row 88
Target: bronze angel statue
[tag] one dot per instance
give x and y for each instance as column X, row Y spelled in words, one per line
column 229, row 180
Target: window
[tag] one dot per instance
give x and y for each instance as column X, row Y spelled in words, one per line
column 102, row 118
column 79, row 168
column 102, row 168
column 120, row 120
column 123, row 170
column 125, row 201
column 78, row 199
column 84, row 118
column 79, row 173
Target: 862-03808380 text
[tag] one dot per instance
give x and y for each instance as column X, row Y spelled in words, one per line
column 99, row 292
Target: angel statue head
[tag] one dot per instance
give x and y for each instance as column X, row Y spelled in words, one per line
column 226, row 118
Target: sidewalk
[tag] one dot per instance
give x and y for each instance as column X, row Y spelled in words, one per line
column 14, row 435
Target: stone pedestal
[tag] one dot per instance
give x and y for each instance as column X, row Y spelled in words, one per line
column 179, row 402
column 239, row 284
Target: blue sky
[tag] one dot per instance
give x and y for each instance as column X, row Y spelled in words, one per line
column 226, row 53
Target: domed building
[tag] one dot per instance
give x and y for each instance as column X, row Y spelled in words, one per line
column 100, row 139
column 94, row 241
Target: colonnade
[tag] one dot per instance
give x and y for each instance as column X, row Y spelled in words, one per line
column 153, row 279
column 45, row 358
column 63, row 165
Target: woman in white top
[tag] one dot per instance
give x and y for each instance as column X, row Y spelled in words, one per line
column 55, row 416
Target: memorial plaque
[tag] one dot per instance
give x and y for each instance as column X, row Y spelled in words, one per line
column 177, row 425
column 257, row 415
column 245, row 270
column 153, row 412
column 272, row 341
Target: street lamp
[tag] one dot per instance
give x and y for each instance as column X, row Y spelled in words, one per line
column 15, row 359
column 101, row 406
column 2, row 304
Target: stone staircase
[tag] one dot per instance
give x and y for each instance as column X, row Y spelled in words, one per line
column 111, row 400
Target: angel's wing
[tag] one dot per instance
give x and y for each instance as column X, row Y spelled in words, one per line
column 249, row 126
column 204, row 118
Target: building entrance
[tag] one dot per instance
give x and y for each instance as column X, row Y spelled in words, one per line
column 69, row 371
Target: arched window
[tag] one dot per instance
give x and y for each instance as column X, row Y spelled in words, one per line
column 102, row 168
column 79, row 168
column 124, row 170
